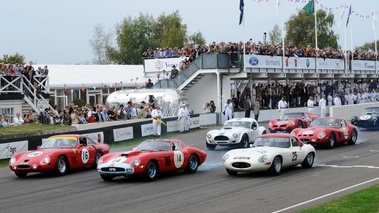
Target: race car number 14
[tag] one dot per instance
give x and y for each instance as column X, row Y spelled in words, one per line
column 178, row 158
column 85, row 155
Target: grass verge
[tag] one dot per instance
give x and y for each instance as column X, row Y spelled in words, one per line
column 28, row 128
column 366, row 200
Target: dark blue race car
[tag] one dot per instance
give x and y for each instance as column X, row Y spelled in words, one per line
column 369, row 118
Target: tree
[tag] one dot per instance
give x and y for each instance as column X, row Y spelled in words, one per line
column 301, row 30
column 275, row 35
column 100, row 42
column 133, row 37
column 196, row 38
column 13, row 59
column 368, row 46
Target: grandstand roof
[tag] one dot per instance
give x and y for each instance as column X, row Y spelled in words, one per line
column 99, row 76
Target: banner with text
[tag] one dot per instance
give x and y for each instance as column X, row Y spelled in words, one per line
column 160, row 64
column 122, row 134
column 330, row 64
column 362, row 65
column 7, row 150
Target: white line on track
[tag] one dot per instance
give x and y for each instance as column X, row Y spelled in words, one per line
column 349, row 167
column 327, row 195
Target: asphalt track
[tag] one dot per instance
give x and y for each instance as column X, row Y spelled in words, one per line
column 336, row 172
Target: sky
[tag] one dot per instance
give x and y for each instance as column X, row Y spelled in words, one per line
column 58, row 32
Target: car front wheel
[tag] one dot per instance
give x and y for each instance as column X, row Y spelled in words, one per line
column 230, row 172
column 244, row 142
column 106, row 177
column 276, row 166
column 210, row 147
column 61, row 166
column 332, row 141
column 150, row 172
column 21, row 174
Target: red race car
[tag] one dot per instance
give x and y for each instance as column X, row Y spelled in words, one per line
column 58, row 154
column 328, row 131
column 290, row 121
column 150, row 158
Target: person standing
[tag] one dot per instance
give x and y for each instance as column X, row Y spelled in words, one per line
column 174, row 72
column 182, row 117
column 310, row 104
column 323, row 106
column 282, row 106
column 256, row 108
column 188, row 121
column 337, row 100
column 228, row 109
column 247, row 106
column 156, row 114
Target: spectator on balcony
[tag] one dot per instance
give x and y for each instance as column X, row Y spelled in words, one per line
column 174, row 72
column 30, row 118
column 149, row 84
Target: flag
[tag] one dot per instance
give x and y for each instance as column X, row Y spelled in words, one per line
column 309, row 7
column 342, row 13
column 374, row 21
column 277, row 6
column 241, row 9
column 348, row 16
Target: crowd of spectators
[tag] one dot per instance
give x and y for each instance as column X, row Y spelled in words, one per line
column 297, row 93
column 258, row 48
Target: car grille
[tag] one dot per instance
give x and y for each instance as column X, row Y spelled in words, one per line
column 221, row 138
column 113, row 169
column 23, row 166
column 280, row 126
column 364, row 124
column 305, row 140
column 241, row 165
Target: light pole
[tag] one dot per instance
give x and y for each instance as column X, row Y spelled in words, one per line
column 264, row 37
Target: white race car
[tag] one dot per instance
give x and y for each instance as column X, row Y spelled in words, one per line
column 270, row 152
column 238, row 132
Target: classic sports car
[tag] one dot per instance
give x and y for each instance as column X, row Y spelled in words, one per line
column 150, row 158
column 58, row 154
column 369, row 118
column 270, row 152
column 328, row 131
column 290, row 121
column 235, row 132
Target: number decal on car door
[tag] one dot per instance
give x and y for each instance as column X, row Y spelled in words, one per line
column 85, row 156
column 178, row 158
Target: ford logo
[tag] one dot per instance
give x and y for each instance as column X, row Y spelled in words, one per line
column 307, row 63
column 253, row 61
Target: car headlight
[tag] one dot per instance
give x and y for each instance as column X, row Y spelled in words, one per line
column 209, row 136
column 45, row 160
column 321, row 135
column 234, row 135
column 262, row 159
column 225, row 158
column 136, row 162
column 292, row 123
column 100, row 161
column 12, row 160
column 269, row 124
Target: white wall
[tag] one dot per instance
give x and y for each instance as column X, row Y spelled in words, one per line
column 348, row 111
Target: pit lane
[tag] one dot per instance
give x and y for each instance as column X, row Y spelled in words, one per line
column 211, row 189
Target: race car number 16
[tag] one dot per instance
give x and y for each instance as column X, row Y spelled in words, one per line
column 85, row 155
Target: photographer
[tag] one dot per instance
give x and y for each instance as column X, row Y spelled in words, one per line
column 207, row 107
column 212, row 106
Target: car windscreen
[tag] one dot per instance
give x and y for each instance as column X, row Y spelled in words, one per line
column 272, row 142
column 292, row 115
column 371, row 110
column 59, row 142
column 154, row 146
column 326, row 122
column 230, row 124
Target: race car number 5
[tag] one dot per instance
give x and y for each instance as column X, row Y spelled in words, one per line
column 85, row 155
column 178, row 159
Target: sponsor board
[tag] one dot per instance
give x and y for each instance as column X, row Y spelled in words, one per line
column 300, row 63
column 195, row 122
column 96, row 136
column 173, row 126
column 147, row 129
column 263, row 61
column 330, row 64
column 363, row 65
column 122, row 134
column 156, row 65
column 7, row 150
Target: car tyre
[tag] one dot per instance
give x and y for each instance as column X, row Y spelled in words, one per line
column 276, row 166
column 231, row 173
column 210, row 147
column 332, row 141
column 21, row 174
column 107, row 177
column 264, row 132
column 61, row 166
column 150, row 172
column 309, row 160
column 244, row 142
column 193, row 164
column 97, row 157
column 354, row 136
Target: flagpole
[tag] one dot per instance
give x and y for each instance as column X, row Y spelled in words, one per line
column 315, row 11
column 283, row 60
column 351, row 46
column 376, row 45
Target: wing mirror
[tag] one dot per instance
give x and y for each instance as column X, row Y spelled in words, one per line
column 38, row 147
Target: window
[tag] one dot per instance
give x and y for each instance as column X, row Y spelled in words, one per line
column 9, row 112
column 294, row 142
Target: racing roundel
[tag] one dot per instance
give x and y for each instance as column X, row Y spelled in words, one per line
column 35, row 154
column 85, row 155
column 178, row 159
